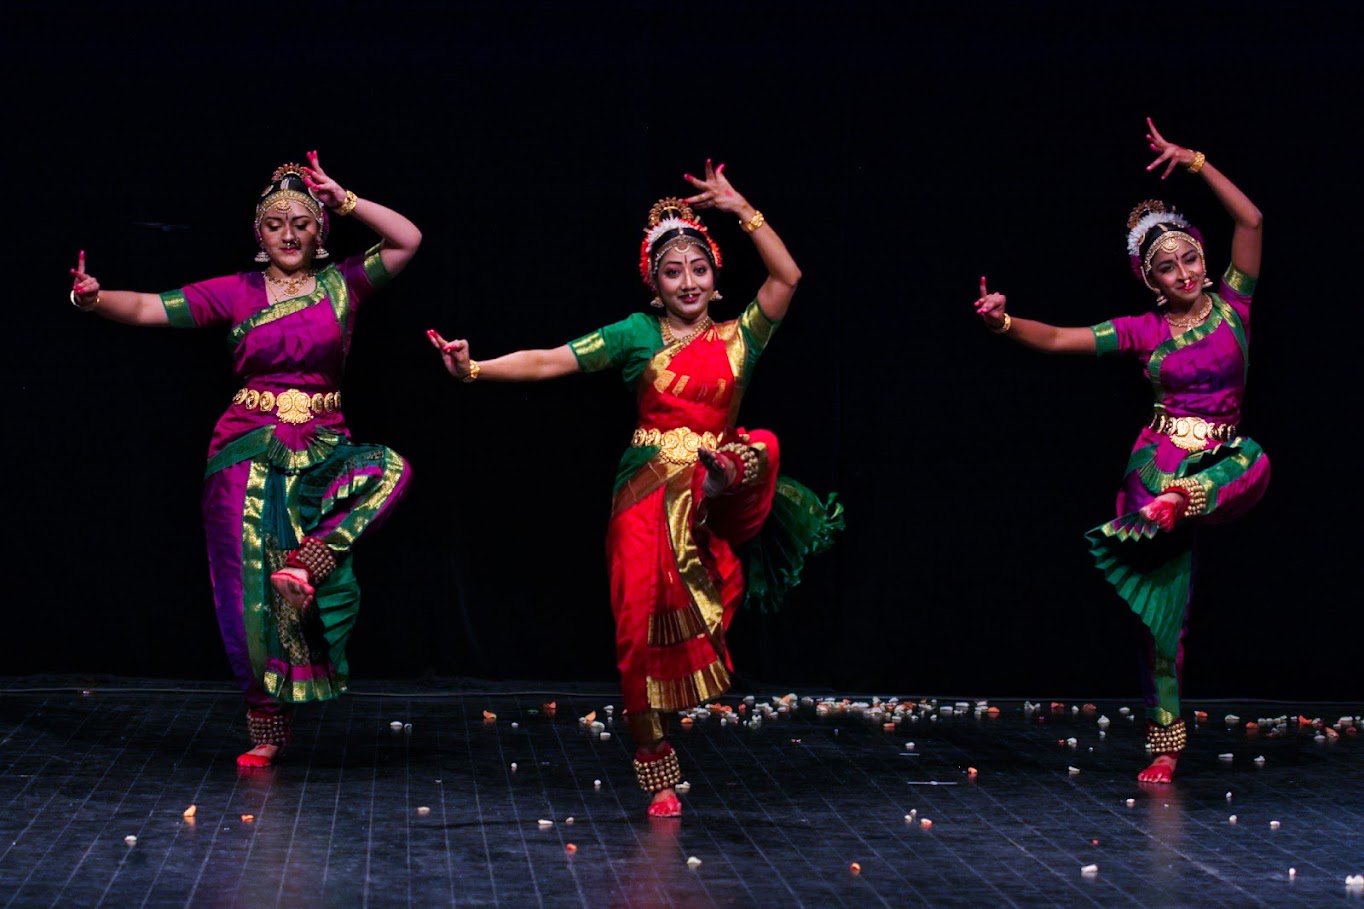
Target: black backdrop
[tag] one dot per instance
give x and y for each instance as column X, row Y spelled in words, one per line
column 901, row 149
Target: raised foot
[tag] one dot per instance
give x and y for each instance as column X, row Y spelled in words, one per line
column 720, row 473
column 1165, row 509
column 260, row 756
column 292, row 584
column 665, row 804
column 1162, row 770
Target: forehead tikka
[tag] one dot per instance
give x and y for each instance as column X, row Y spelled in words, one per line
column 1167, row 242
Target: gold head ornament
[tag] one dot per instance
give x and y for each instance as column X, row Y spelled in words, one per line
column 669, row 207
column 1144, row 208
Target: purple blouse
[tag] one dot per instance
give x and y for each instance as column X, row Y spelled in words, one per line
column 1200, row 372
column 297, row 345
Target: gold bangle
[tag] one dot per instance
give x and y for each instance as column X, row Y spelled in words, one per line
column 1199, row 159
column 89, row 308
column 753, row 223
column 1004, row 326
column 473, row 372
column 347, row 205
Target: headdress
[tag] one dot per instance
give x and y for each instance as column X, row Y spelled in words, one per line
column 672, row 225
column 1152, row 227
column 287, row 185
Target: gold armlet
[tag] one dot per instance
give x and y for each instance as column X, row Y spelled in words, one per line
column 754, row 222
column 1199, row 159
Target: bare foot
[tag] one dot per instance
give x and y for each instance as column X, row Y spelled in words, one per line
column 1165, row 509
column 720, row 473
column 292, row 584
column 665, row 804
column 260, row 756
column 1162, row 770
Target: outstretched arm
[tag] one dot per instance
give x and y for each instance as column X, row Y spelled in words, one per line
column 127, row 306
column 521, row 366
column 1246, row 239
column 400, row 237
column 774, row 297
column 1029, row 332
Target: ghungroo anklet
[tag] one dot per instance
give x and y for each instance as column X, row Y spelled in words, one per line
column 1196, row 497
column 314, row 557
column 658, row 770
column 1170, row 739
column 747, row 456
column 269, row 728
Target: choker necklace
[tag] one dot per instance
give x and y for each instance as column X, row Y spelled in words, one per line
column 1184, row 323
column 289, row 286
column 669, row 338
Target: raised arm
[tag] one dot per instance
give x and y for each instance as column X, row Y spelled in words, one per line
column 127, row 306
column 520, row 366
column 774, row 297
column 1246, row 239
column 400, row 237
column 1029, row 332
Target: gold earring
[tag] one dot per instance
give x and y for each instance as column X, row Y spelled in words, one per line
column 715, row 296
column 262, row 256
column 321, row 253
column 1160, row 299
column 656, row 303
column 1207, row 282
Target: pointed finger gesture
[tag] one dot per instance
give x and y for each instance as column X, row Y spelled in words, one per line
column 1168, row 153
column 84, row 287
column 715, row 190
column 327, row 190
column 990, row 306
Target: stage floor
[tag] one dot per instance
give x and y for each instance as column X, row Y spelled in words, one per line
column 811, row 806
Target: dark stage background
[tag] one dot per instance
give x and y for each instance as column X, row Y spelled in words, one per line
column 901, row 149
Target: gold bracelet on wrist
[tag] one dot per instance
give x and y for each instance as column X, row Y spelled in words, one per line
column 753, row 223
column 347, row 205
column 1199, row 159
column 1004, row 326
column 76, row 303
column 473, row 372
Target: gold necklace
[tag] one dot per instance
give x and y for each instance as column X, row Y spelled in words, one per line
column 670, row 339
column 289, row 286
column 1189, row 321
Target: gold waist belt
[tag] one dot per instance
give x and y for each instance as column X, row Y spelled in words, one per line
column 1191, row 433
column 676, row 446
column 292, row 406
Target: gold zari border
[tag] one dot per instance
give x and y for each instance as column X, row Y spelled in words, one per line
column 690, row 690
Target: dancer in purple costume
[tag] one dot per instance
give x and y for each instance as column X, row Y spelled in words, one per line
column 287, row 492
column 1190, row 466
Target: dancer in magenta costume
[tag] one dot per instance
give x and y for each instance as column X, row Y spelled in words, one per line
column 1190, row 466
column 287, row 492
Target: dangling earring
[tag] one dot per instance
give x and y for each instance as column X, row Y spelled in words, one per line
column 656, row 303
column 262, row 256
column 1160, row 299
column 1207, row 282
column 321, row 253
column 715, row 295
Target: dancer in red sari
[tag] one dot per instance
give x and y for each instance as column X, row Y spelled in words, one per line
column 683, row 537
